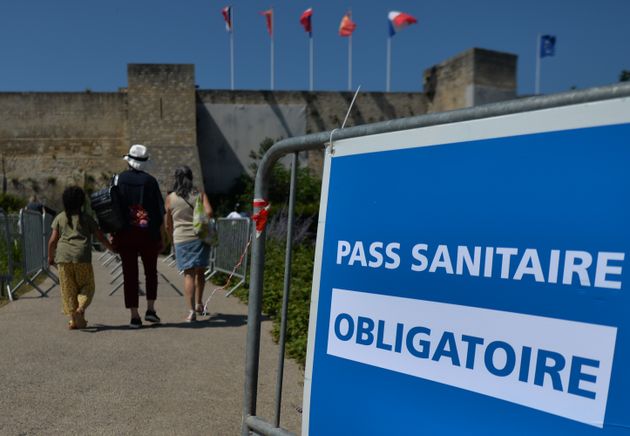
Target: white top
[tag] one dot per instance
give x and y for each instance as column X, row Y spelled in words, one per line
column 182, row 212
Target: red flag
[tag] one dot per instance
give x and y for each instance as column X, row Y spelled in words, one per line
column 227, row 16
column 347, row 26
column 269, row 17
column 305, row 20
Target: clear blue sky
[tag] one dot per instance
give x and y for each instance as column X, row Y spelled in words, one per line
column 71, row 45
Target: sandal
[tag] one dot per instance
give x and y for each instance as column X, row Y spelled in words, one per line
column 199, row 308
column 192, row 316
column 79, row 320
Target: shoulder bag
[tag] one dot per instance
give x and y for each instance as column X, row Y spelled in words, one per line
column 106, row 205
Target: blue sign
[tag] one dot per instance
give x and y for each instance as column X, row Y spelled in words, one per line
column 473, row 279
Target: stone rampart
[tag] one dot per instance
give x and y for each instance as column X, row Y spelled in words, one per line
column 232, row 123
column 51, row 140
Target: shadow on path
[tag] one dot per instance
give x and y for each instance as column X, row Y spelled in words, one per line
column 215, row 320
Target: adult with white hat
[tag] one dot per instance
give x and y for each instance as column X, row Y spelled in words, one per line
column 143, row 205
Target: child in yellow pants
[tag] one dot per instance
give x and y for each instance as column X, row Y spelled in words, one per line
column 77, row 288
column 70, row 247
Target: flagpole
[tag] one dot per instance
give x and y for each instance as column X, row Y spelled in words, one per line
column 272, row 58
column 350, row 63
column 310, row 50
column 389, row 64
column 232, row 49
column 537, row 84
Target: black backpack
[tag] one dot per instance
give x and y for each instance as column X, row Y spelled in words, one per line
column 107, row 206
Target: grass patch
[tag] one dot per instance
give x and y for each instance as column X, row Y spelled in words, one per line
column 14, row 250
column 22, row 290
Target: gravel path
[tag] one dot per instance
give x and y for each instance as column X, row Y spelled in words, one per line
column 172, row 379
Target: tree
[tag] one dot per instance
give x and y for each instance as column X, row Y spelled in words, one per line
column 307, row 190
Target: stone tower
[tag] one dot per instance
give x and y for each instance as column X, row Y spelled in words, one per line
column 471, row 78
column 162, row 116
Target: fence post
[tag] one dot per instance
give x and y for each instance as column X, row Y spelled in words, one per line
column 287, row 286
column 6, row 276
column 252, row 347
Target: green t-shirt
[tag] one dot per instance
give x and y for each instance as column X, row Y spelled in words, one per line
column 75, row 241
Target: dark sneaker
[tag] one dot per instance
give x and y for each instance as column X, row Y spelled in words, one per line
column 135, row 323
column 151, row 316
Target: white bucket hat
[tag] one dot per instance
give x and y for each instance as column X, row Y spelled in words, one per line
column 138, row 157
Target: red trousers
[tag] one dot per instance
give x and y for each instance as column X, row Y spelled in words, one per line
column 130, row 244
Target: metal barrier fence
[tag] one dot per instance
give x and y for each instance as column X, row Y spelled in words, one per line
column 34, row 242
column 108, row 258
column 6, row 255
column 230, row 254
column 318, row 141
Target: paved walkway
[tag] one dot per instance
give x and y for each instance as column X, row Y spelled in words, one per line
column 173, row 379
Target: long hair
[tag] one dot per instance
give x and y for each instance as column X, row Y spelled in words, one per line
column 183, row 181
column 73, row 198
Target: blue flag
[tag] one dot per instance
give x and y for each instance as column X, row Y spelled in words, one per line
column 547, row 45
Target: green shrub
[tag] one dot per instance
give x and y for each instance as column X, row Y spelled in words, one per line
column 299, row 297
column 11, row 203
column 307, row 189
column 299, row 301
column 16, row 251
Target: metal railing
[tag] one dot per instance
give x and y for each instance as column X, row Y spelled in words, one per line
column 34, row 229
column 230, row 254
column 318, row 141
column 108, row 259
column 6, row 256
column 31, row 231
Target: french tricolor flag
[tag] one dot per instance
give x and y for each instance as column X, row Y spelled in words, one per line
column 398, row 20
column 305, row 20
column 227, row 16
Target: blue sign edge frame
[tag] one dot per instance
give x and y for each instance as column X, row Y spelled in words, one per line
column 583, row 115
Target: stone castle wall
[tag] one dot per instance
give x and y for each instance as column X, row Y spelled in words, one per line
column 51, row 140
column 232, row 123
